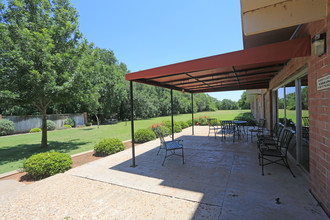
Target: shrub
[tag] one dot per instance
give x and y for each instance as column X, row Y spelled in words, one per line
column 183, row 124
column 33, row 130
column 67, row 126
column 189, row 122
column 176, row 126
column 202, row 120
column 162, row 129
column 144, row 135
column 108, row 146
column 51, row 126
column 88, row 124
column 247, row 116
column 214, row 122
column 70, row 121
column 6, row 127
column 47, row 164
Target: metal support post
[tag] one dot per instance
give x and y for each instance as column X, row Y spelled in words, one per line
column 132, row 124
column 172, row 114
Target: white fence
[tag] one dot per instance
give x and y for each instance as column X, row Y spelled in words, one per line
column 27, row 122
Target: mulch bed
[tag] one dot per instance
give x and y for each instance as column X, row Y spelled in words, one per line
column 77, row 161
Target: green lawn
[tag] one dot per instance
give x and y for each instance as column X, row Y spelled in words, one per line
column 291, row 114
column 14, row 148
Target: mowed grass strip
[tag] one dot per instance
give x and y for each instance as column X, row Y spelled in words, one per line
column 14, row 148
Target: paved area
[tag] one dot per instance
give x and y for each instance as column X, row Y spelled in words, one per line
column 219, row 180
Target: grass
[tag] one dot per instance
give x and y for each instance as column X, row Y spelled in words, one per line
column 14, row 148
column 291, row 114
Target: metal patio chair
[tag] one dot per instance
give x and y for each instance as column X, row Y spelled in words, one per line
column 213, row 126
column 228, row 127
column 277, row 154
column 273, row 138
column 170, row 146
column 259, row 130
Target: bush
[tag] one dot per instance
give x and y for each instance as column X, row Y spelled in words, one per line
column 6, row 127
column 162, row 129
column 33, row 130
column 176, row 126
column 183, row 124
column 47, row 164
column 51, row 126
column 189, row 122
column 202, row 120
column 108, row 146
column 214, row 122
column 247, row 116
column 144, row 135
column 67, row 126
column 70, row 121
column 88, row 124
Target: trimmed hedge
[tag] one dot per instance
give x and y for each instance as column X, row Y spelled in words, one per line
column 144, row 135
column 34, row 130
column 47, row 164
column 67, row 126
column 108, row 146
column 247, row 116
column 176, row 126
column 183, row 124
column 6, row 127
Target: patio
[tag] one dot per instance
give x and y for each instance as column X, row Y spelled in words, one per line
column 219, row 180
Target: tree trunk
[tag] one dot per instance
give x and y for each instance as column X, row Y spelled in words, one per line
column 97, row 119
column 44, row 129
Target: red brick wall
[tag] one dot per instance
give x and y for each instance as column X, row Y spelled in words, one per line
column 319, row 110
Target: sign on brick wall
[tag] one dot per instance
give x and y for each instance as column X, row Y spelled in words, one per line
column 323, row 83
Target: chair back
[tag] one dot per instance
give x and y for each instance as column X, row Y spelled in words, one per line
column 285, row 140
column 161, row 137
column 228, row 125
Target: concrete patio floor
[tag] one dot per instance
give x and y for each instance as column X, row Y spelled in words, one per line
column 219, row 180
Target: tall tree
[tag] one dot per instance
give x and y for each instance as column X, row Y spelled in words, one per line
column 41, row 48
column 243, row 102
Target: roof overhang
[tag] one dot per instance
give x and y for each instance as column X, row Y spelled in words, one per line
column 251, row 68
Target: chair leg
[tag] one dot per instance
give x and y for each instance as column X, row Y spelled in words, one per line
column 262, row 164
column 182, row 157
column 164, row 157
column 159, row 149
column 287, row 165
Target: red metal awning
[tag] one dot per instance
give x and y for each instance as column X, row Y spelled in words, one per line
column 252, row 68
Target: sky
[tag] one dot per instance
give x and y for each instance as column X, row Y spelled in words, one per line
column 151, row 33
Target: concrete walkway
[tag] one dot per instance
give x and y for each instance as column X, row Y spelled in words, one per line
column 219, row 180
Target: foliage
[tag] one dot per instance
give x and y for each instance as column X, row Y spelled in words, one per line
column 247, row 116
column 47, row 164
column 202, row 120
column 33, row 130
column 189, row 122
column 176, row 126
column 67, row 126
column 6, row 127
column 227, row 104
column 70, row 121
column 41, row 51
column 183, row 124
column 165, row 131
column 214, row 122
column 243, row 103
column 291, row 100
column 144, row 135
column 51, row 126
column 108, row 146
column 88, row 124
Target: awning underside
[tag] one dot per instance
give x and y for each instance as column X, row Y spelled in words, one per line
column 246, row 69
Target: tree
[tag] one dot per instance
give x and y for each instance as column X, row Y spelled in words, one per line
column 243, row 103
column 41, row 50
column 227, row 104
